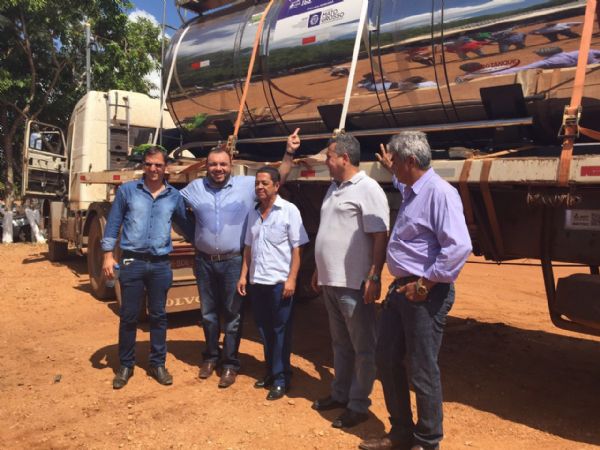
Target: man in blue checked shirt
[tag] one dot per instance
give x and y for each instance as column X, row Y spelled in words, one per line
column 221, row 202
column 274, row 235
column 144, row 208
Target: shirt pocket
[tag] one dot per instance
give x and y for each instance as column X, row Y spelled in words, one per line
column 411, row 228
column 277, row 234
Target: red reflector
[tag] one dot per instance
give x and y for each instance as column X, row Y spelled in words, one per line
column 81, row 177
column 309, row 40
column 195, row 65
column 307, row 173
column 116, row 177
column 590, row 171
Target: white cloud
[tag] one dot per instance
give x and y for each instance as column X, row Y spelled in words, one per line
column 154, row 78
column 140, row 13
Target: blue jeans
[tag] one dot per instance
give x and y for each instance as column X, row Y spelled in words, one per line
column 137, row 279
column 217, row 283
column 408, row 344
column 273, row 316
column 353, row 333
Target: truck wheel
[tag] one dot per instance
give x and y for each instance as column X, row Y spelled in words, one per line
column 95, row 257
column 143, row 317
column 58, row 250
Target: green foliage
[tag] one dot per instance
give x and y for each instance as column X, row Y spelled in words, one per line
column 42, row 54
column 197, row 122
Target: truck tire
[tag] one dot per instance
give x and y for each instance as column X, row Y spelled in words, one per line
column 95, row 257
column 58, row 250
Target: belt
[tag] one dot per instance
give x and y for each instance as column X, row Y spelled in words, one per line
column 127, row 254
column 219, row 257
column 401, row 281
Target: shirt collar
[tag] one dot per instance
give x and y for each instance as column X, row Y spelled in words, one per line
column 140, row 184
column 278, row 203
column 355, row 178
column 418, row 185
column 208, row 185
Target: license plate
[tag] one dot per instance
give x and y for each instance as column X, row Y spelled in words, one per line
column 182, row 262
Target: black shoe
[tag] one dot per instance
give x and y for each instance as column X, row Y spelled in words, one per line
column 327, row 403
column 349, row 418
column 122, row 376
column 160, row 374
column 264, row 383
column 276, row 392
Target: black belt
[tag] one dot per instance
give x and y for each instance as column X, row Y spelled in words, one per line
column 127, row 254
column 401, row 281
column 220, row 257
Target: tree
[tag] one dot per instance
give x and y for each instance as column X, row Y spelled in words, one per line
column 42, row 64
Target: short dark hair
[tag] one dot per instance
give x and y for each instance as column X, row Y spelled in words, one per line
column 346, row 143
column 272, row 171
column 155, row 150
column 218, row 149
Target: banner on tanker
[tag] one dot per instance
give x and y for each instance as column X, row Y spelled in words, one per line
column 295, row 7
column 304, row 22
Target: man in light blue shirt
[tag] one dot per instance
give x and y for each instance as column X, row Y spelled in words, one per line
column 221, row 202
column 272, row 259
column 428, row 247
column 144, row 208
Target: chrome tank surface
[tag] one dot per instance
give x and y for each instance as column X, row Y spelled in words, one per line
column 421, row 63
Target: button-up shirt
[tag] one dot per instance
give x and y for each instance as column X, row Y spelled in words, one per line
column 430, row 237
column 146, row 220
column 220, row 213
column 272, row 241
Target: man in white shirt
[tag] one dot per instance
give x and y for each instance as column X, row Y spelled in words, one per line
column 271, row 258
column 349, row 254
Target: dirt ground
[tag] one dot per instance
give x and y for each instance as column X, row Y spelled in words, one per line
column 511, row 379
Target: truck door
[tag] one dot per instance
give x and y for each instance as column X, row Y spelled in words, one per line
column 45, row 161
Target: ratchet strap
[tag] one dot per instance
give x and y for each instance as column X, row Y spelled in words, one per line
column 570, row 129
column 361, row 25
column 231, row 141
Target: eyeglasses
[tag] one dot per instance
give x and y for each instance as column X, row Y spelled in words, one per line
column 157, row 165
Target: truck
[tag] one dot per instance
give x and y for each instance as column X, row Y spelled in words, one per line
column 74, row 179
column 493, row 85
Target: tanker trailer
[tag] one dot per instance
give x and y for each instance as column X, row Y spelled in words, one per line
column 490, row 76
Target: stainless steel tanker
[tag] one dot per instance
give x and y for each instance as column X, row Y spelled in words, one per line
column 437, row 65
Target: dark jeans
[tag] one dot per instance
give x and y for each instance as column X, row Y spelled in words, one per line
column 137, row 279
column 408, row 344
column 217, row 282
column 273, row 316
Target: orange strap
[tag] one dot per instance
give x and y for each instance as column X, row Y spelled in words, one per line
column 233, row 138
column 592, row 134
column 570, row 126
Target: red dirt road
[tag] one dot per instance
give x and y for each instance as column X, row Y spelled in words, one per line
column 511, row 380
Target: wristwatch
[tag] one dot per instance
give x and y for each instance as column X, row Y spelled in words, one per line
column 376, row 278
column 421, row 288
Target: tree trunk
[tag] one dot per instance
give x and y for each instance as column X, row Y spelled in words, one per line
column 7, row 145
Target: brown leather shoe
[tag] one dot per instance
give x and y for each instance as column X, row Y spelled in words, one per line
column 207, row 369
column 227, row 377
column 384, row 443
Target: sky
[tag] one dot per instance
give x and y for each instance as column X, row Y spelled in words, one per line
column 154, row 8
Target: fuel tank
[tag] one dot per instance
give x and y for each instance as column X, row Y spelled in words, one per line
column 437, row 64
